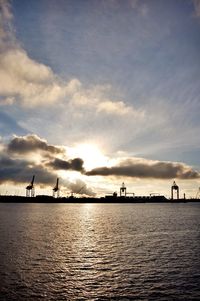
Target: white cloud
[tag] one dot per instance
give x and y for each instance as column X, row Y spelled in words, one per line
column 17, row 164
column 27, row 81
column 16, row 63
column 32, row 84
column 97, row 99
column 117, row 108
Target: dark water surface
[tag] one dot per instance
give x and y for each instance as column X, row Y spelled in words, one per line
column 100, row 251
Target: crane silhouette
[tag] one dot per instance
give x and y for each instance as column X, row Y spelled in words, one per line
column 123, row 190
column 30, row 189
column 56, row 189
column 176, row 188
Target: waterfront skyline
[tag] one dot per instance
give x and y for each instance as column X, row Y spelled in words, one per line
column 98, row 93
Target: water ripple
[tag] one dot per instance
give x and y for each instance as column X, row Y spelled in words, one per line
column 99, row 252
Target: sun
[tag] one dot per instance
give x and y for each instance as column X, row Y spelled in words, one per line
column 90, row 153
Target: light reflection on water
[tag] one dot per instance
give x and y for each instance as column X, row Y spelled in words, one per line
column 99, row 251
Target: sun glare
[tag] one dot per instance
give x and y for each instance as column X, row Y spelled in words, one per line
column 90, row 153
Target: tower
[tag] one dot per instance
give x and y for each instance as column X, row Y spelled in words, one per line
column 176, row 188
column 123, row 190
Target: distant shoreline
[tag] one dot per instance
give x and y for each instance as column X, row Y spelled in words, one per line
column 106, row 199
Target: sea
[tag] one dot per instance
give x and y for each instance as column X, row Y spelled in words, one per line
column 100, row 251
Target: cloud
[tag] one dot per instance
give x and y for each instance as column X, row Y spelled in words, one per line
column 142, row 168
column 118, row 108
column 20, row 171
column 97, row 99
column 15, row 170
column 32, row 143
column 30, row 84
column 74, row 164
column 26, row 81
column 49, row 155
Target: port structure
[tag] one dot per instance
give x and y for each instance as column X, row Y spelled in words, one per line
column 154, row 194
column 56, row 189
column 30, row 189
column 123, row 190
column 176, row 189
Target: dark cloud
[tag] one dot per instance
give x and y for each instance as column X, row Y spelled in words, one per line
column 147, row 169
column 20, row 171
column 32, row 143
column 74, row 164
column 14, row 169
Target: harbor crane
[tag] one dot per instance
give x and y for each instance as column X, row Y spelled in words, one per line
column 176, row 188
column 56, row 189
column 30, row 189
column 123, row 190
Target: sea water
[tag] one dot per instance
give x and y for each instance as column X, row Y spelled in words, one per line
column 100, row 251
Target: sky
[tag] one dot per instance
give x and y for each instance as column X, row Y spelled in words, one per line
column 100, row 92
